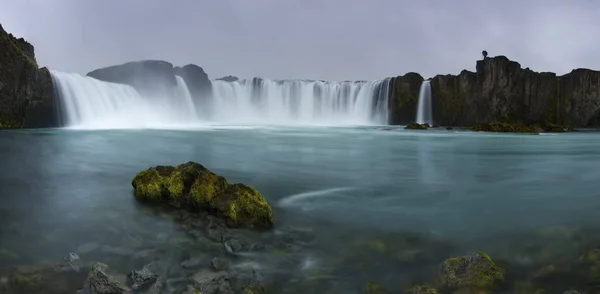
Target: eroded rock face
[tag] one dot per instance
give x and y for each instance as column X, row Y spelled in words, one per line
column 27, row 98
column 194, row 187
column 501, row 91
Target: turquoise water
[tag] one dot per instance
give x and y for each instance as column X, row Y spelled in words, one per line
column 475, row 191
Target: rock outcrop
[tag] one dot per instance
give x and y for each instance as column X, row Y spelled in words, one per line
column 154, row 78
column 501, row 91
column 194, row 187
column 27, row 98
column 228, row 79
column 150, row 78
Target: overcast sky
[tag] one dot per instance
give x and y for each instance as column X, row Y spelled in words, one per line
column 319, row 39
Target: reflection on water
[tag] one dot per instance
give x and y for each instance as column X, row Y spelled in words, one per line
column 64, row 189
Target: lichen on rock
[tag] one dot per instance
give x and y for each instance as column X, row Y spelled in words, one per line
column 417, row 126
column 192, row 186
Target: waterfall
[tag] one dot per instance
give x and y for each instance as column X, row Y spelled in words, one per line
column 424, row 107
column 262, row 101
column 89, row 103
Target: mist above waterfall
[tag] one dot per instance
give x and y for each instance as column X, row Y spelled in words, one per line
column 93, row 104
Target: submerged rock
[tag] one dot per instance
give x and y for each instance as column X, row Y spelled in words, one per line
column 476, row 270
column 98, row 282
column 192, row 186
column 372, row 288
column 144, row 277
column 56, row 277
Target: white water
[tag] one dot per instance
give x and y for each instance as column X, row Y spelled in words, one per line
column 300, row 102
column 424, row 107
column 88, row 103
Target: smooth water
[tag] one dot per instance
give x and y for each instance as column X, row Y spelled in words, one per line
column 63, row 189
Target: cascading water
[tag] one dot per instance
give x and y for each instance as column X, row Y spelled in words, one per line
column 89, row 103
column 93, row 104
column 261, row 101
column 424, row 107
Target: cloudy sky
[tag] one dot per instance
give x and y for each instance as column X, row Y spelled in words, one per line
column 319, row 39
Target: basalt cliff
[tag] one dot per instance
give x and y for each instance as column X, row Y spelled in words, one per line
column 501, row 91
column 27, row 97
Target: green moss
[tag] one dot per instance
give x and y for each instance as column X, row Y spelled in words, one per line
column 255, row 288
column 476, row 270
column 417, row 126
column 192, row 186
column 244, row 205
column 504, row 127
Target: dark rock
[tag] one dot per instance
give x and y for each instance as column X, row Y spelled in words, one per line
column 228, row 79
column 150, row 78
column 70, row 262
column 158, row 286
column 449, row 128
column 98, row 282
column 216, row 232
column 144, row 277
column 233, row 246
column 197, row 82
column 219, row 264
column 500, row 90
column 27, row 97
column 213, row 282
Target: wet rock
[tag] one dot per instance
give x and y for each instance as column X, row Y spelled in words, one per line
column 216, row 232
column 219, row 264
column 233, row 246
column 176, row 285
column 475, row 270
column 158, row 286
column 212, row 282
column 71, row 262
column 55, row 277
column 192, row 186
column 98, row 282
column 144, row 277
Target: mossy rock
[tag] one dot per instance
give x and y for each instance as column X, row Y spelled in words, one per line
column 504, row 127
column 417, row 126
column 194, row 187
column 255, row 288
column 473, row 271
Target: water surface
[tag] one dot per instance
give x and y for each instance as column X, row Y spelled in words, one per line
column 62, row 189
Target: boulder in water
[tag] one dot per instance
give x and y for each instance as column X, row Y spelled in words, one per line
column 192, row 186
column 504, row 127
column 473, row 271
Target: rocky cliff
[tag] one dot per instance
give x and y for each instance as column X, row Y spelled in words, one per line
column 500, row 90
column 27, row 97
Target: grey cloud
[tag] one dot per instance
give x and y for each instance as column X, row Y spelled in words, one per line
column 334, row 39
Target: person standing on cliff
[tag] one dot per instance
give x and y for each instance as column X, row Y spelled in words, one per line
column 484, row 53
